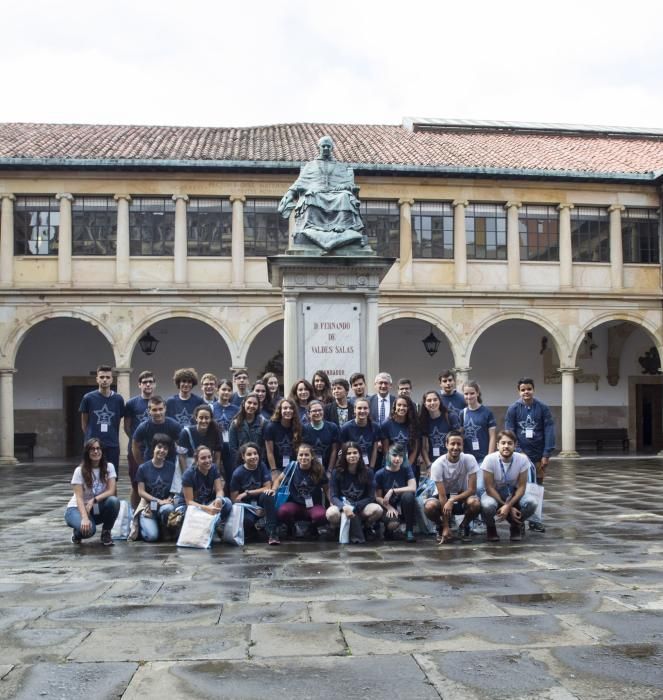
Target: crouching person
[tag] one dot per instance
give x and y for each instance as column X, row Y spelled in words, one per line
column 395, row 487
column 155, row 484
column 202, row 486
column 505, row 480
column 353, row 493
column 455, row 475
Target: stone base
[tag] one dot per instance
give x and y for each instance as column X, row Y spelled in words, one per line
column 568, row 454
column 8, row 461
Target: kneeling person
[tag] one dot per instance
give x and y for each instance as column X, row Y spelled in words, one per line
column 505, row 478
column 395, row 486
column 455, row 475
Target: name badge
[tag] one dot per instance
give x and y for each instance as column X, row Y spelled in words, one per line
column 308, row 502
column 226, row 435
column 436, row 452
column 154, row 505
column 95, row 508
column 529, row 433
column 475, row 445
column 285, row 460
column 104, row 427
column 366, row 460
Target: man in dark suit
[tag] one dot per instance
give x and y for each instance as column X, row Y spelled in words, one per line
column 381, row 402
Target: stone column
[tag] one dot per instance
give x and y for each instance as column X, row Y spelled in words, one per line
column 290, row 341
column 180, row 252
column 372, row 339
column 7, row 239
column 568, row 412
column 7, row 416
column 616, row 251
column 406, row 242
column 122, row 246
column 462, row 376
column 238, row 241
column 513, row 244
column 460, row 245
column 565, row 247
column 123, row 381
column 64, row 238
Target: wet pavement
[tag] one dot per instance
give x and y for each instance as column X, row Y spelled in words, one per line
column 574, row 613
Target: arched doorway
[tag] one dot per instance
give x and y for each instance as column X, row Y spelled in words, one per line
column 265, row 354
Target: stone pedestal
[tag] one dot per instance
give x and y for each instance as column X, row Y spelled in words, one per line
column 330, row 319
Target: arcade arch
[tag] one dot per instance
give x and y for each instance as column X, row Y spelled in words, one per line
column 265, row 353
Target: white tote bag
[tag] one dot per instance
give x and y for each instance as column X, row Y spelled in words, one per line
column 536, row 490
column 197, row 529
column 122, row 524
column 344, row 531
column 233, row 532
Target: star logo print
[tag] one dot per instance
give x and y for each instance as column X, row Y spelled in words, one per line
column 183, row 417
column 284, row 447
column 526, row 425
column 436, row 437
column 353, row 493
column 472, row 429
column 104, row 415
column 160, row 489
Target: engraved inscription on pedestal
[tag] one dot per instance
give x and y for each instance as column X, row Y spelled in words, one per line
column 332, row 337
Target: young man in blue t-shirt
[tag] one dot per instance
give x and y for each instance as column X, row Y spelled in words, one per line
column 101, row 412
column 450, row 397
column 181, row 406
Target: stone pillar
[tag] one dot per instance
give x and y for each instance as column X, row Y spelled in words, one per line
column 64, row 238
column 122, row 249
column 460, row 245
column 180, row 252
column 568, row 412
column 7, row 239
column 513, row 244
column 123, row 380
column 616, row 251
column 7, row 416
column 462, row 376
column 238, row 241
column 406, row 242
column 290, row 341
column 565, row 247
column 373, row 343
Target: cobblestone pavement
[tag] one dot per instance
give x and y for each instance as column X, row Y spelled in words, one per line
column 574, row 613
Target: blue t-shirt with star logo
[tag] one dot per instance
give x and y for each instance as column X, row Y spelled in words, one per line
column 157, row 480
column 104, row 415
column 475, row 431
column 182, row 409
column 365, row 436
column 282, row 439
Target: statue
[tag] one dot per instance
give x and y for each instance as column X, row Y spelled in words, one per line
column 324, row 198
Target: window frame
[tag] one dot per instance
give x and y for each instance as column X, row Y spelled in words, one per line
column 527, row 218
column 79, row 210
column 497, row 249
column 432, row 220
column 23, row 229
column 139, row 208
column 206, row 246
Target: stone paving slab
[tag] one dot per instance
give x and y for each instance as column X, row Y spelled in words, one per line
column 274, row 612
column 320, row 677
column 132, row 643
column 288, row 639
column 36, row 644
column 111, row 615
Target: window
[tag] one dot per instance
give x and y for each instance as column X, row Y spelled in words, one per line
column 209, row 227
column 538, row 227
column 590, row 234
column 94, row 225
column 265, row 230
column 432, row 230
column 640, row 235
column 152, row 226
column 485, row 231
column 36, row 225
column 382, row 226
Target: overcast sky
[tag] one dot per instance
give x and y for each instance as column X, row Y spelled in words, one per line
column 252, row 62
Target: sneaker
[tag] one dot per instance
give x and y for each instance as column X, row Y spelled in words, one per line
column 106, row 538
column 478, row 527
column 409, row 537
column 516, row 535
column 491, row 534
column 537, row 527
column 74, row 539
column 274, row 539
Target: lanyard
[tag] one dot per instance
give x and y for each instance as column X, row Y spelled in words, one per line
column 505, row 472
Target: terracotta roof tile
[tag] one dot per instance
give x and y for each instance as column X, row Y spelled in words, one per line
column 442, row 146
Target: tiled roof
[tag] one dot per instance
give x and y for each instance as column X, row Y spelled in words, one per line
column 425, row 145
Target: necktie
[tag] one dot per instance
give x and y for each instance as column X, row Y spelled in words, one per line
column 382, row 409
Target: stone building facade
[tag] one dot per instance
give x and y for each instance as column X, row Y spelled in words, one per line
column 525, row 248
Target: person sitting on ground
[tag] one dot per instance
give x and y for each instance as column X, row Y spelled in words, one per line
column 155, row 486
column 395, row 487
column 353, row 493
column 455, row 475
column 251, row 485
column 505, row 481
column 94, row 501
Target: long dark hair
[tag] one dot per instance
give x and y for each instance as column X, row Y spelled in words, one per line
column 86, row 463
column 293, row 391
column 296, row 423
column 326, row 395
column 411, row 417
column 317, row 469
column 240, row 418
column 424, row 413
column 363, row 474
column 213, row 436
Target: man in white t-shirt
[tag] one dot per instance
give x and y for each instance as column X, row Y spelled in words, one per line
column 455, row 475
column 505, row 480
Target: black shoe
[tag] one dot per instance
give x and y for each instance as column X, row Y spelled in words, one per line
column 537, row 527
column 106, row 538
column 74, row 539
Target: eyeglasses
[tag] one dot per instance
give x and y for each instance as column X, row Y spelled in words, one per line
column 95, row 449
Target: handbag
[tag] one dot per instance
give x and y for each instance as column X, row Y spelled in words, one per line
column 536, row 490
column 122, row 525
column 197, row 529
column 233, row 532
column 283, row 491
column 344, row 531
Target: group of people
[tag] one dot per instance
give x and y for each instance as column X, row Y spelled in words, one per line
column 339, row 454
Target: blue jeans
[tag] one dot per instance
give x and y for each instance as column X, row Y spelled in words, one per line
column 489, row 506
column 150, row 528
column 108, row 510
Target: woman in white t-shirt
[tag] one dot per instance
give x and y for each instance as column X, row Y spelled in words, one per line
column 94, row 501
